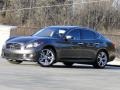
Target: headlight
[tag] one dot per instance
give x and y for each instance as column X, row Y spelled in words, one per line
column 4, row 45
column 32, row 45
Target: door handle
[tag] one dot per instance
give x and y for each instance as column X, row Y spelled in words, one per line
column 90, row 44
column 96, row 43
column 80, row 43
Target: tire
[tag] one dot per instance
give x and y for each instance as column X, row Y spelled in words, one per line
column 47, row 57
column 101, row 60
column 68, row 64
column 15, row 61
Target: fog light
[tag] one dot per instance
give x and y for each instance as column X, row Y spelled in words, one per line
column 30, row 55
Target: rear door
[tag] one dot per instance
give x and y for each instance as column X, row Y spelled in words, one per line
column 90, row 43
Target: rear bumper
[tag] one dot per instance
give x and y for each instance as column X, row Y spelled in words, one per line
column 112, row 55
column 23, row 55
column 111, row 58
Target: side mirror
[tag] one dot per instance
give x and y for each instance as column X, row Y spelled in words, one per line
column 68, row 37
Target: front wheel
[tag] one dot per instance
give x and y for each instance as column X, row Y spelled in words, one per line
column 101, row 60
column 46, row 57
column 15, row 61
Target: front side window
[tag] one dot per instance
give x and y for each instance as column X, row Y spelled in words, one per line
column 75, row 34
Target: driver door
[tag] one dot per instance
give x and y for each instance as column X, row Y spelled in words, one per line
column 72, row 47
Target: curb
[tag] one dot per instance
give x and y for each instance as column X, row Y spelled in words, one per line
column 116, row 63
column 113, row 65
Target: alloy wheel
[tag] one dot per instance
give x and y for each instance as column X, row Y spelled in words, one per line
column 46, row 58
column 101, row 60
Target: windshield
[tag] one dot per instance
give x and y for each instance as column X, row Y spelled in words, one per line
column 49, row 32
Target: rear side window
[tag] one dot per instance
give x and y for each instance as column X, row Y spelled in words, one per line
column 87, row 34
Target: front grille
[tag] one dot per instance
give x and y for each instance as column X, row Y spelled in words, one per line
column 13, row 46
column 11, row 55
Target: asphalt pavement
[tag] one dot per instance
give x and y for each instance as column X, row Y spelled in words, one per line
column 30, row 76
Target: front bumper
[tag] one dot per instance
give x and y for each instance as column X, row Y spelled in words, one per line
column 23, row 55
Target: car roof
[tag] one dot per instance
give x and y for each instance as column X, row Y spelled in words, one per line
column 70, row 27
column 64, row 26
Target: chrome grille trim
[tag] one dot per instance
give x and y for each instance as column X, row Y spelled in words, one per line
column 16, row 46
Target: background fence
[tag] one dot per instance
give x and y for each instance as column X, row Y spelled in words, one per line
column 29, row 15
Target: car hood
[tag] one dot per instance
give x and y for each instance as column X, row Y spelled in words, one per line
column 26, row 39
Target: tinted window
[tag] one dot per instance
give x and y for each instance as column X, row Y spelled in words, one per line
column 75, row 34
column 58, row 33
column 87, row 34
column 49, row 32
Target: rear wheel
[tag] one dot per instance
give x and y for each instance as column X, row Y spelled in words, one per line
column 68, row 64
column 15, row 61
column 101, row 60
column 46, row 57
